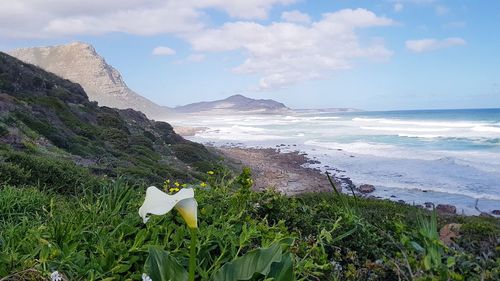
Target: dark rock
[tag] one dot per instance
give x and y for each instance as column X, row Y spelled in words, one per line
column 486, row 215
column 366, row 188
column 402, row 201
column 496, row 212
column 393, row 196
column 429, row 205
column 446, row 209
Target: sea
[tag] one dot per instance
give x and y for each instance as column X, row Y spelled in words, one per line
column 417, row 156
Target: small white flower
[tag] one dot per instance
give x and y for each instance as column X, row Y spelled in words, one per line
column 55, row 276
column 145, row 277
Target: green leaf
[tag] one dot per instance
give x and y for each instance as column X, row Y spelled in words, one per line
column 417, row 247
column 283, row 271
column 269, row 262
column 160, row 266
column 427, row 262
column 450, row 262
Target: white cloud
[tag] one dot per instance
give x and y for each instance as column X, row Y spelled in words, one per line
column 295, row 16
column 425, row 45
column 284, row 53
column 195, row 58
column 398, row 7
column 163, row 51
column 246, row 9
column 281, row 53
column 42, row 18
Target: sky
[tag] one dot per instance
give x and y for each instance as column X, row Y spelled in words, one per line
column 372, row 55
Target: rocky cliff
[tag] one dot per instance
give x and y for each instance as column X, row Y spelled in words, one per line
column 80, row 63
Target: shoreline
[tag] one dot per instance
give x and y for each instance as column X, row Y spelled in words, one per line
column 283, row 171
column 293, row 172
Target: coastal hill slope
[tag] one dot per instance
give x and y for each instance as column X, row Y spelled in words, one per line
column 45, row 116
column 233, row 104
column 80, row 63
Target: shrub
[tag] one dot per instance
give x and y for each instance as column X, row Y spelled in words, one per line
column 3, row 130
column 59, row 175
column 13, row 174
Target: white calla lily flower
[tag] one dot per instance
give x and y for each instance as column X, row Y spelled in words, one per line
column 158, row 202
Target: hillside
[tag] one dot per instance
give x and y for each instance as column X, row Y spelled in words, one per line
column 233, row 104
column 47, row 116
column 80, row 63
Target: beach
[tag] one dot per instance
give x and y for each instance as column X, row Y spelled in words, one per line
column 285, row 172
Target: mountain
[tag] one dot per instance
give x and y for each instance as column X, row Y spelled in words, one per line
column 45, row 117
column 234, row 104
column 80, row 63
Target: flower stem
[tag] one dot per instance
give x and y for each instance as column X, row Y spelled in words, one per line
column 192, row 256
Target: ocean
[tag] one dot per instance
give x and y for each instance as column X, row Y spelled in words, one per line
column 418, row 156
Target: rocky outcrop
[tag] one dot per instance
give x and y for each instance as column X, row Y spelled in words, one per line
column 283, row 172
column 429, row 205
column 80, row 63
column 366, row 188
column 446, row 209
column 496, row 212
column 449, row 232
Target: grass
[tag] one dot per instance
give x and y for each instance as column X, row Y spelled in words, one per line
column 97, row 234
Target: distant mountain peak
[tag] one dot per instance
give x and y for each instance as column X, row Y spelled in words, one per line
column 234, row 104
column 80, row 63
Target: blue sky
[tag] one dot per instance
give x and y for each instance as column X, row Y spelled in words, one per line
column 375, row 55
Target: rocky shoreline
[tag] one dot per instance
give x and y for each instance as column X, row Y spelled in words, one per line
column 283, row 171
column 288, row 172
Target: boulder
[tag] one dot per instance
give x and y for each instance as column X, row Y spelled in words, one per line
column 496, row 212
column 429, row 205
column 366, row 188
column 449, row 232
column 446, row 209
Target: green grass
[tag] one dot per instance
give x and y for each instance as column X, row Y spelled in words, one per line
column 98, row 234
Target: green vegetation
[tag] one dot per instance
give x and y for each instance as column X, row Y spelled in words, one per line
column 52, row 118
column 98, row 234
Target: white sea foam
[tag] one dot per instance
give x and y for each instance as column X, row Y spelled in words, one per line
column 423, row 136
column 456, row 161
column 373, row 149
column 406, row 129
column 489, row 129
column 453, row 124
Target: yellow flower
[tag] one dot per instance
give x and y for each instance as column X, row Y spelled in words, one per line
column 203, row 184
column 210, row 172
column 158, row 202
column 177, row 184
column 184, row 185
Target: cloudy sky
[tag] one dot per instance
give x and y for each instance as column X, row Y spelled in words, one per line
column 378, row 55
